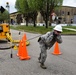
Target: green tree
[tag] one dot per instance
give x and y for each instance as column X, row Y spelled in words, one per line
column 23, row 8
column 33, row 5
column 46, row 7
column 4, row 16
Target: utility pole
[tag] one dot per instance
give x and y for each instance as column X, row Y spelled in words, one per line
column 8, row 7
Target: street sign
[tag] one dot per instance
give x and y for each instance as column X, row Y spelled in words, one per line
column 53, row 16
column 2, row 9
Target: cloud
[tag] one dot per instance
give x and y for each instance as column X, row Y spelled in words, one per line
column 69, row 3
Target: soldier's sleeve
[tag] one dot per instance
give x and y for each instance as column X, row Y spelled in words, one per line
column 49, row 37
column 59, row 39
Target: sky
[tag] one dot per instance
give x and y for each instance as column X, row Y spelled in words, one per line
column 12, row 4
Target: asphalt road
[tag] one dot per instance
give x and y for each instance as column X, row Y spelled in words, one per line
column 64, row 64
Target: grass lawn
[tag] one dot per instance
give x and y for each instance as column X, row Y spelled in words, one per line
column 42, row 29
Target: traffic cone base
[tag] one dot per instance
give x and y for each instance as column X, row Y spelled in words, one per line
column 56, row 50
column 57, row 53
column 25, row 58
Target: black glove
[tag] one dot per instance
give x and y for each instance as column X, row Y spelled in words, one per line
column 39, row 39
column 54, row 35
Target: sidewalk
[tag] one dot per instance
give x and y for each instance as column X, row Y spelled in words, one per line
column 70, row 29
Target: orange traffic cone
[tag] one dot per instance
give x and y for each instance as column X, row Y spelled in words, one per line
column 24, row 54
column 19, row 49
column 24, row 37
column 56, row 49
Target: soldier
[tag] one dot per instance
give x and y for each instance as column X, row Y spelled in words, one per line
column 46, row 41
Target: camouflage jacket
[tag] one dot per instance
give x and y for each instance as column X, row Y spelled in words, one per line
column 48, row 39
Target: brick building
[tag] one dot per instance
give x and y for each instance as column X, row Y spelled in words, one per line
column 66, row 14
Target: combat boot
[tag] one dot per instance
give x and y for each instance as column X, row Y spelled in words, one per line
column 43, row 66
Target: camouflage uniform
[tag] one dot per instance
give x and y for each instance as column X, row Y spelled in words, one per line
column 46, row 41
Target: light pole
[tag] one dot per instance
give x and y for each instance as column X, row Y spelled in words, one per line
column 7, row 6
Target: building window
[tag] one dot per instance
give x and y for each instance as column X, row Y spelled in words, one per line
column 62, row 12
column 68, row 13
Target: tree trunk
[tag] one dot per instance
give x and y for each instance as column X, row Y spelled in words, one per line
column 27, row 21
column 34, row 18
column 47, row 14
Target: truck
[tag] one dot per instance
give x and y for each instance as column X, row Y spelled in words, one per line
column 4, row 29
column 6, row 34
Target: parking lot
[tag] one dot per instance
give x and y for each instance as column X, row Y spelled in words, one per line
column 64, row 64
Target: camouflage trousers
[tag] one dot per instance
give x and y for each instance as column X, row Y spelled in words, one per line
column 43, row 53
